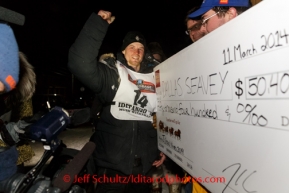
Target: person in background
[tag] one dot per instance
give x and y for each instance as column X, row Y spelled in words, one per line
column 17, row 105
column 125, row 138
column 215, row 13
column 157, row 51
column 9, row 76
column 211, row 15
column 195, row 29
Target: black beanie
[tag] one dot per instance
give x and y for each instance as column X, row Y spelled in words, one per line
column 133, row 36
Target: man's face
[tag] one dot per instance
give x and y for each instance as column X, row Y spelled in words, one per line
column 196, row 29
column 213, row 20
column 134, row 54
column 157, row 57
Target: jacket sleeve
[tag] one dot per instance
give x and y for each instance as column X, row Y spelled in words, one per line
column 82, row 57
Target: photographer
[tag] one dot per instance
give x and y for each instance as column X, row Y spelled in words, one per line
column 9, row 74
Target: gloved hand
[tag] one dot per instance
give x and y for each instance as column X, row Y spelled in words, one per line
column 9, row 133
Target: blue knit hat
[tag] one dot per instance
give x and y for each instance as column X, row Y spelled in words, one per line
column 209, row 4
column 9, row 58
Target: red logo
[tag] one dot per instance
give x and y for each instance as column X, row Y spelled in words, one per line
column 144, row 86
column 224, row 1
column 10, row 80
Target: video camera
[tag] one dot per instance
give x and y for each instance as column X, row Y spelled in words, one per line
column 44, row 130
column 48, row 127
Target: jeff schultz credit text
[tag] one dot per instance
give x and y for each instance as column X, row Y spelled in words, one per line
column 139, row 179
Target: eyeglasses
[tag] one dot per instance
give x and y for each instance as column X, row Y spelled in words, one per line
column 199, row 24
column 195, row 27
column 205, row 20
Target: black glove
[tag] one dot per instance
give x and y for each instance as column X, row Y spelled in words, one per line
column 10, row 131
column 5, row 135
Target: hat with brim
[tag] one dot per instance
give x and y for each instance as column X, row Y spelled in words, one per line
column 209, row 4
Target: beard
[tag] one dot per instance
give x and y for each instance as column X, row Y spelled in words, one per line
column 199, row 35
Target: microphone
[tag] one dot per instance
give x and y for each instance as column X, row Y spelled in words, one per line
column 10, row 16
column 150, row 58
column 66, row 177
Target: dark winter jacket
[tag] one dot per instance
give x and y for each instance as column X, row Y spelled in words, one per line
column 117, row 141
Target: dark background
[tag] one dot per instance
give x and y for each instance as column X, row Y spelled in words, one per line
column 52, row 26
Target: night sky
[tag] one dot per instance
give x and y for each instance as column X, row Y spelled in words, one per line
column 52, row 26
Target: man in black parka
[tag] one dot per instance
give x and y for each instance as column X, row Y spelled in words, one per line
column 126, row 142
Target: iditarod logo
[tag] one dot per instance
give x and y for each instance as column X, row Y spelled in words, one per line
column 134, row 109
column 142, row 85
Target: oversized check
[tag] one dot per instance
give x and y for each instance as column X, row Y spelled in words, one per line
column 223, row 108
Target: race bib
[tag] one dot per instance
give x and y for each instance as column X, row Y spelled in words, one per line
column 136, row 95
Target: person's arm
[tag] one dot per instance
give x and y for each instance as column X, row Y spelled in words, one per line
column 82, row 58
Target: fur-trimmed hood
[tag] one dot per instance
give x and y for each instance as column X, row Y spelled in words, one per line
column 27, row 78
column 27, row 81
